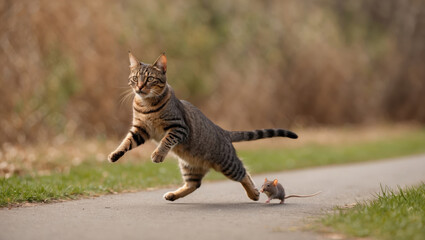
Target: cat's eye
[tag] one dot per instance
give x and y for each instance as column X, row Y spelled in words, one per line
column 150, row 79
column 133, row 79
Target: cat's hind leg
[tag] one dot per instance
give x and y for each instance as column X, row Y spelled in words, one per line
column 233, row 168
column 250, row 188
column 192, row 177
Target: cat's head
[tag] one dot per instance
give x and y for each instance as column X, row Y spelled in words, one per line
column 148, row 80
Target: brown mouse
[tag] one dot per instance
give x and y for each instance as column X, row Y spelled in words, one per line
column 274, row 190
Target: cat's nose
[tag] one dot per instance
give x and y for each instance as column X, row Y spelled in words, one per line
column 139, row 90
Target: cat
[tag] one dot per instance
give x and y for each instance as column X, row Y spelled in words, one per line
column 180, row 127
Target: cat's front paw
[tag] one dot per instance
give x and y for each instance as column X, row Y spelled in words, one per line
column 114, row 156
column 157, row 157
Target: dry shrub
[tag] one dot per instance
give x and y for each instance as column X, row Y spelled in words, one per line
column 63, row 64
column 59, row 68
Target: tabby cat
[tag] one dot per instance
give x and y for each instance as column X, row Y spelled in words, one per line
column 180, row 127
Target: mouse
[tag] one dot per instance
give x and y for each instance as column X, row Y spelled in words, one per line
column 274, row 190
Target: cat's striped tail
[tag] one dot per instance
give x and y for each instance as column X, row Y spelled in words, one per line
column 239, row 136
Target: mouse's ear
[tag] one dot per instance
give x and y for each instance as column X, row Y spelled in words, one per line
column 265, row 180
column 275, row 182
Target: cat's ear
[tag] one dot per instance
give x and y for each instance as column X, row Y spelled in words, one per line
column 275, row 182
column 133, row 60
column 161, row 63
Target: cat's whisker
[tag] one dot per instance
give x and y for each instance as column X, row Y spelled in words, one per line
column 129, row 97
column 155, row 92
column 126, row 96
column 125, row 93
column 122, row 87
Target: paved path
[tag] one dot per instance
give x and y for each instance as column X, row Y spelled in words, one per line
column 215, row 211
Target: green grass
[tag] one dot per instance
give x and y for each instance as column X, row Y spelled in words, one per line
column 393, row 215
column 94, row 178
column 88, row 180
column 261, row 161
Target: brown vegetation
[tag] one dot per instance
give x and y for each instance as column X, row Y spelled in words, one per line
column 63, row 64
column 59, row 156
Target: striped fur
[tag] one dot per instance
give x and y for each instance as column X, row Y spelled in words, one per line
column 180, row 127
column 238, row 136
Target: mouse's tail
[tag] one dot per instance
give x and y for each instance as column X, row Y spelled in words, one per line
column 302, row 196
column 239, row 136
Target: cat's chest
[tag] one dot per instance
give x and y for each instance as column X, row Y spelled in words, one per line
column 155, row 128
column 157, row 134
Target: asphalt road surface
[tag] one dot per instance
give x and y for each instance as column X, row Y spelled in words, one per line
column 218, row 210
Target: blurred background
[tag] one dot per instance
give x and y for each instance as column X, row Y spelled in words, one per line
column 257, row 64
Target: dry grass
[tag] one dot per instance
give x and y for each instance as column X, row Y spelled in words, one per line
column 334, row 136
column 60, row 155
column 267, row 63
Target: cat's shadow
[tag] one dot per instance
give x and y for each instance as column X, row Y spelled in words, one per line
column 225, row 205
